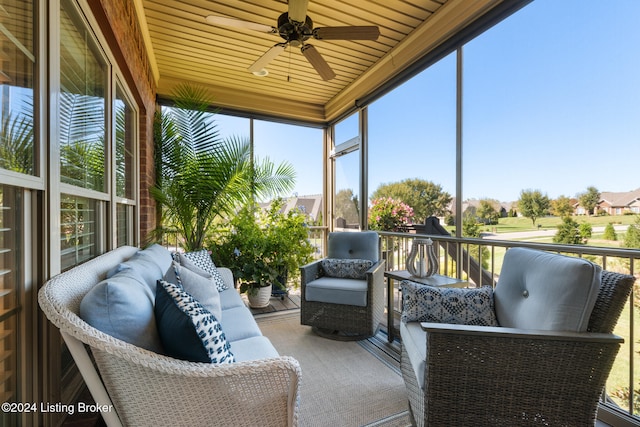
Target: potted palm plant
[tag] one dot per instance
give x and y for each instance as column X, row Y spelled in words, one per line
column 202, row 178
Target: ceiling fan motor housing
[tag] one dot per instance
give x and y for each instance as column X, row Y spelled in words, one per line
column 294, row 32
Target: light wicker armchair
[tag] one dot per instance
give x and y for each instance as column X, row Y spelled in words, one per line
column 328, row 310
column 142, row 388
column 481, row 376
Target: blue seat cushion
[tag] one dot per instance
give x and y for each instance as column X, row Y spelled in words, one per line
column 337, row 291
column 230, row 298
column 253, row 348
column 238, row 323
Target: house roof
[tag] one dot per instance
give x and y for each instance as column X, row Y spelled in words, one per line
column 184, row 47
column 620, row 199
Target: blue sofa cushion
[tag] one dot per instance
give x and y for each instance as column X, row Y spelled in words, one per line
column 187, row 330
column 141, row 266
column 230, row 298
column 253, row 348
column 201, row 263
column 160, row 255
column 462, row 306
column 201, row 288
column 122, row 307
column 238, row 323
column 346, row 268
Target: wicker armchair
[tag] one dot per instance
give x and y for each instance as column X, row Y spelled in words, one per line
column 330, row 313
column 480, row 376
column 139, row 387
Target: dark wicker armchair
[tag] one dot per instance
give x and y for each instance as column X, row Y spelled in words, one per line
column 499, row 376
column 344, row 307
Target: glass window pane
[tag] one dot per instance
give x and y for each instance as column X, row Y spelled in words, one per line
column 555, row 111
column 124, row 224
column 83, row 83
column 347, row 197
column 77, row 230
column 301, row 147
column 412, row 151
column 347, row 129
column 125, row 146
column 17, row 71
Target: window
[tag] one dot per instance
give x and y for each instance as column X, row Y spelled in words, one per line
column 346, row 155
column 412, row 143
column 83, row 84
column 301, row 147
column 125, row 170
column 553, row 110
column 17, row 71
column 78, row 232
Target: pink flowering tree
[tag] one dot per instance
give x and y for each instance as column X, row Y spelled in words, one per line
column 387, row 214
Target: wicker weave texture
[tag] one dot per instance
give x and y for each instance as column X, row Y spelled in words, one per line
column 341, row 317
column 151, row 389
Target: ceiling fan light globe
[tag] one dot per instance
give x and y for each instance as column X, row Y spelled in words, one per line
column 261, row 73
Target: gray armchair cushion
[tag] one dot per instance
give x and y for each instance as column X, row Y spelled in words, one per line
column 545, row 291
column 353, row 245
column 337, row 291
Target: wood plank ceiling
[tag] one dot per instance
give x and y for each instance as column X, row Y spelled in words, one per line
column 184, row 47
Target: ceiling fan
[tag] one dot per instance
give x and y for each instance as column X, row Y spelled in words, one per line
column 295, row 27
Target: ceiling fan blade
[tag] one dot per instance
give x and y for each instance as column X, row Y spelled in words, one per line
column 347, row 33
column 298, row 10
column 318, row 62
column 267, row 57
column 237, row 23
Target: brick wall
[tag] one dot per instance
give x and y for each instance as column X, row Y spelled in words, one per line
column 119, row 25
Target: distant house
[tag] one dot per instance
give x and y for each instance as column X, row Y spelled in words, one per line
column 619, row 203
column 470, row 206
column 310, row 205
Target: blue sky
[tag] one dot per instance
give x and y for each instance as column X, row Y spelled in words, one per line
column 551, row 102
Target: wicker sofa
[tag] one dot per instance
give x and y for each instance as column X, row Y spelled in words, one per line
column 143, row 387
column 515, row 375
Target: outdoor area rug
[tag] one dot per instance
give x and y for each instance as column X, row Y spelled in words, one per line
column 343, row 383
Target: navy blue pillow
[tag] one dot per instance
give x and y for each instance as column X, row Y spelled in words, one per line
column 187, row 330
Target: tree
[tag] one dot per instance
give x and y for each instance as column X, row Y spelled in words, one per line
column 470, row 229
column 568, row 232
column 202, row 177
column 533, row 204
column 561, row 206
column 346, row 206
column 571, row 232
column 389, row 215
column 488, row 212
column 589, row 199
column 632, row 237
column 610, row 232
column 425, row 198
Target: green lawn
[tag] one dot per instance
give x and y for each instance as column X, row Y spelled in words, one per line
column 509, row 225
column 513, row 225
